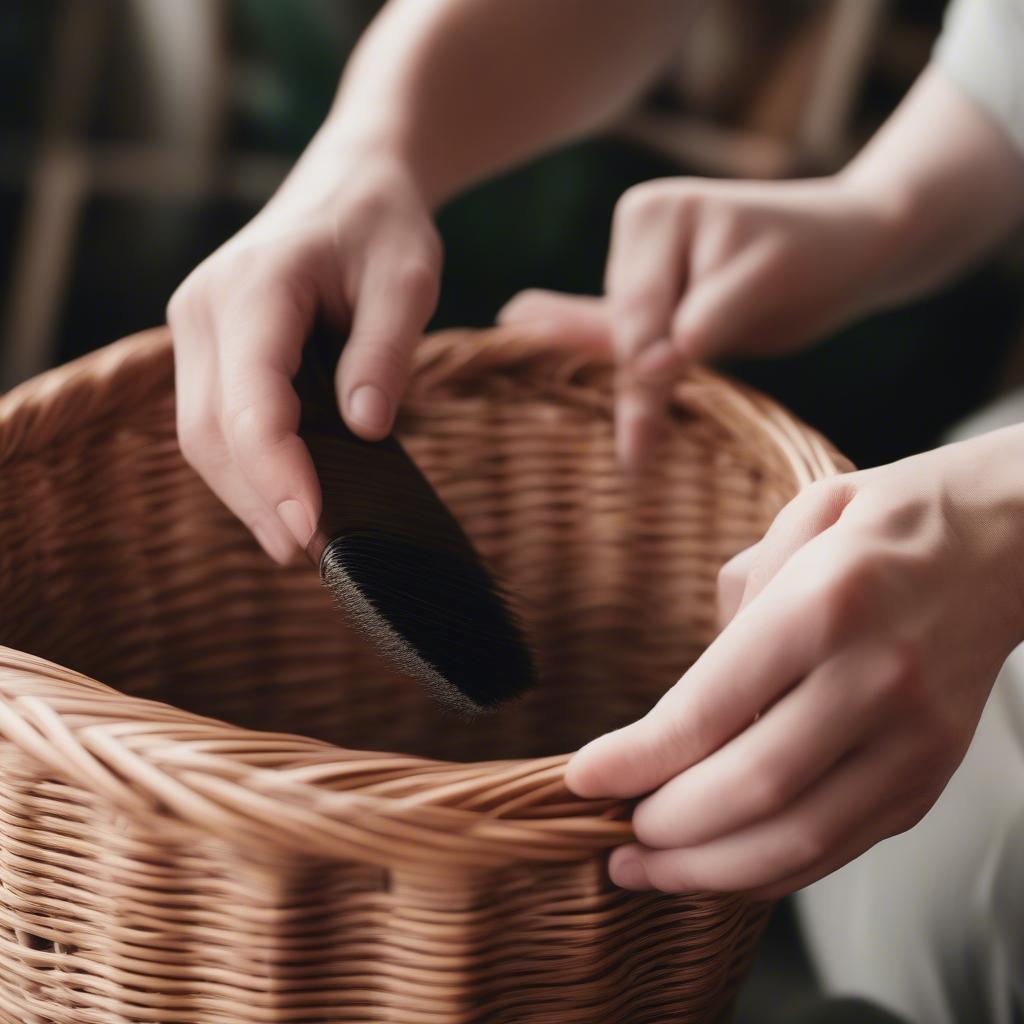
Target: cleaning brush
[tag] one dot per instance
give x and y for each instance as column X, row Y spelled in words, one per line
column 397, row 561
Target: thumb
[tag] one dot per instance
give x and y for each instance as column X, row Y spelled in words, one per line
column 395, row 300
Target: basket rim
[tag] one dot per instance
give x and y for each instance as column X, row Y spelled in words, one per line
column 280, row 793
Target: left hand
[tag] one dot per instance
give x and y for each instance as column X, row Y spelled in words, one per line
column 699, row 269
column 867, row 629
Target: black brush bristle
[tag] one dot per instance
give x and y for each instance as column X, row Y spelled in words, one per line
column 398, row 562
column 439, row 618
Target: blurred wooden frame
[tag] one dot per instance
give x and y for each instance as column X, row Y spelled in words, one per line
column 797, row 122
column 183, row 43
column 796, row 116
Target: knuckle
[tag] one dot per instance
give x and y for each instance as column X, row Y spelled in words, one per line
column 647, row 200
column 846, row 595
column 907, row 667
column 819, row 502
column 821, row 494
column 901, row 681
column 726, row 226
column 176, row 305
column 418, row 282
column 237, row 263
column 895, row 516
column 248, row 426
column 810, row 503
column 184, row 300
column 638, row 300
column 249, row 271
column 270, row 281
column 730, row 576
column 195, row 437
column 368, row 205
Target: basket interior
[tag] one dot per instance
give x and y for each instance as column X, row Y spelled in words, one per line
column 118, row 562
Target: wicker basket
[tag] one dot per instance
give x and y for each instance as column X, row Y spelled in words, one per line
column 237, row 854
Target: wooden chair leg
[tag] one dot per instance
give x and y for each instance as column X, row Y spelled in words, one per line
column 57, row 188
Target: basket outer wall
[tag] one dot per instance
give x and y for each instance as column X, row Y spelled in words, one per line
column 185, row 841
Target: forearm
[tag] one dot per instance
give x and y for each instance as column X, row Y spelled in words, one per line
column 951, row 183
column 463, row 88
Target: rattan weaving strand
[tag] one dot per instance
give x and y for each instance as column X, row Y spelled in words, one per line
column 208, row 835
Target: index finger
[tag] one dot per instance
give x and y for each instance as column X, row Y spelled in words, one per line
column 644, row 281
column 260, row 348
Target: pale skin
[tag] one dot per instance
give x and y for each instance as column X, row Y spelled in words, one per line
column 864, row 632
column 879, row 606
column 350, row 233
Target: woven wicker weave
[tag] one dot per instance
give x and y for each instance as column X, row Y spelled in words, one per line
column 159, row 865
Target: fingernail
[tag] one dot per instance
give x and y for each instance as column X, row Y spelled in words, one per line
column 638, row 426
column 272, row 544
column 369, row 409
column 628, row 872
column 297, row 521
column 629, row 444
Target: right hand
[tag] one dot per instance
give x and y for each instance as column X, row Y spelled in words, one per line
column 348, row 235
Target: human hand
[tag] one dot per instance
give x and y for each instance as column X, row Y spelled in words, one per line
column 699, row 269
column 864, row 634
column 348, row 235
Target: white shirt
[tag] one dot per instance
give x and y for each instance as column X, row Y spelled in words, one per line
column 982, row 49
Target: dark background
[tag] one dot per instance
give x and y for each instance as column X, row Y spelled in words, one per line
column 90, row 250
column 880, row 389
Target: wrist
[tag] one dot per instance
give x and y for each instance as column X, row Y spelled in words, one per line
column 386, row 142
column 343, row 164
column 889, row 219
column 986, row 498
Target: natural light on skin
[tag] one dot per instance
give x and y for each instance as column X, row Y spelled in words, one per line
column 897, row 591
column 351, row 232
column 874, row 625
column 880, row 607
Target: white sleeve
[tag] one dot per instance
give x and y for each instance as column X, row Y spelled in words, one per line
column 982, row 49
